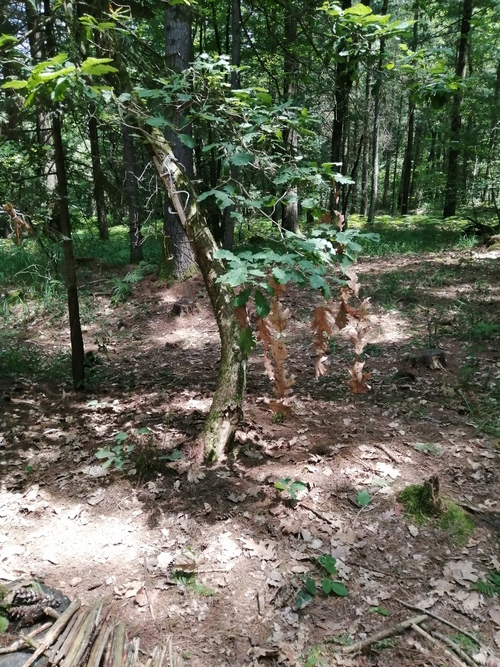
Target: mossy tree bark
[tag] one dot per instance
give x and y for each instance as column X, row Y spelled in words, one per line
column 226, row 410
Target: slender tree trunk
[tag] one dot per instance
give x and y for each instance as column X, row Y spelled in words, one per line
column 290, row 207
column 493, row 133
column 179, row 55
column 235, row 84
column 376, row 127
column 77, row 350
column 363, row 209
column 132, row 195
column 97, row 177
column 226, row 410
column 396, row 155
column 453, row 172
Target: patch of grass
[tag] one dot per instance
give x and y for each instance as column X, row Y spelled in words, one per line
column 456, row 522
column 465, row 643
column 490, row 587
column 18, row 358
column 189, row 580
column 417, row 502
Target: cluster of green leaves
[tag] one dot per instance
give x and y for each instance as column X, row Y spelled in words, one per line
column 286, row 485
column 329, row 586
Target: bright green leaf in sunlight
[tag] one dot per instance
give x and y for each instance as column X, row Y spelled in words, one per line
column 363, row 498
column 296, row 487
column 97, row 66
column 235, row 277
column 143, row 430
column 7, row 39
column 326, row 585
column 358, row 10
column 15, row 85
column 120, row 437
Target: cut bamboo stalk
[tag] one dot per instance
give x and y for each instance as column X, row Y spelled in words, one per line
column 70, row 637
column 79, row 646
column 54, row 632
column 63, row 636
column 99, row 646
column 118, row 646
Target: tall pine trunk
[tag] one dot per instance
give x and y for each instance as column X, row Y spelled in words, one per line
column 453, row 172
column 132, row 195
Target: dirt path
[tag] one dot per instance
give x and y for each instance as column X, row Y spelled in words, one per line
column 91, row 532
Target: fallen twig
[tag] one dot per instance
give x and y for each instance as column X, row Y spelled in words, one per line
column 432, row 640
column 146, row 590
column 319, row 514
column 25, row 640
column 390, row 631
column 453, row 646
column 440, row 619
column 384, row 449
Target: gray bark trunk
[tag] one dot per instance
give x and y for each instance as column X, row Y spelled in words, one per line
column 179, row 54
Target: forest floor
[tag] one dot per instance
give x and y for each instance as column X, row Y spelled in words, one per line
column 246, row 547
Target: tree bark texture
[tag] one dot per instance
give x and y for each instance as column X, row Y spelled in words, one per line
column 132, row 195
column 77, row 349
column 226, row 410
column 453, row 174
column 97, row 177
column 179, row 55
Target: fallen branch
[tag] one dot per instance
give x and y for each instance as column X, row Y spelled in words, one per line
column 384, row 449
column 456, row 649
column 432, row 640
column 391, row 631
column 440, row 619
column 318, row 514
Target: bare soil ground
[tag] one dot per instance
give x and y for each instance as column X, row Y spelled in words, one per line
column 91, row 532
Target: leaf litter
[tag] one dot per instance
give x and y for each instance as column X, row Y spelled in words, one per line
column 80, row 527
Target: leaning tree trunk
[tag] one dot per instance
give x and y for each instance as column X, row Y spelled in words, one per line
column 290, row 208
column 226, row 410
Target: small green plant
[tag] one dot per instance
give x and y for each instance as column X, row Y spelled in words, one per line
column 328, row 584
column 465, row 643
column 118, row 454
column 188, row 579
column 290, row 487
column 379, row 610
column 363, row 498
column 279, row 417
column 490, row 587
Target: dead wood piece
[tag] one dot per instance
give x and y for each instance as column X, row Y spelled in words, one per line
column 69, row 637
column 114, row 657
column 390, row 631
column 440, row 619
column 456, row 649
column 99, row 646
column 62, row 637
column 54, row 632
column 85, row 632
column 132, row 653
column 317, row 513
column 25, row 640
column 432, row 640
column 433, row 358
column 182, row 308
column 146, row 590
column 387, row 452
column 158, row 656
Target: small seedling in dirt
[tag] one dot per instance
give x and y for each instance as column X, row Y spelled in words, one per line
column 118, row 454
column 292, row 488
column 363, row 498
column 490, row 587
column 328, row 585
column 188, row 579
column 279, row 417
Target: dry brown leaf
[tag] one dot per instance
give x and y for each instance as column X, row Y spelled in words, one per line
column 278, row 315
column 279, row 407
column 241, row 316
column 264, row 332
column 279, row 290
column 358, row 378
column 353, row 282
column 341, row 318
